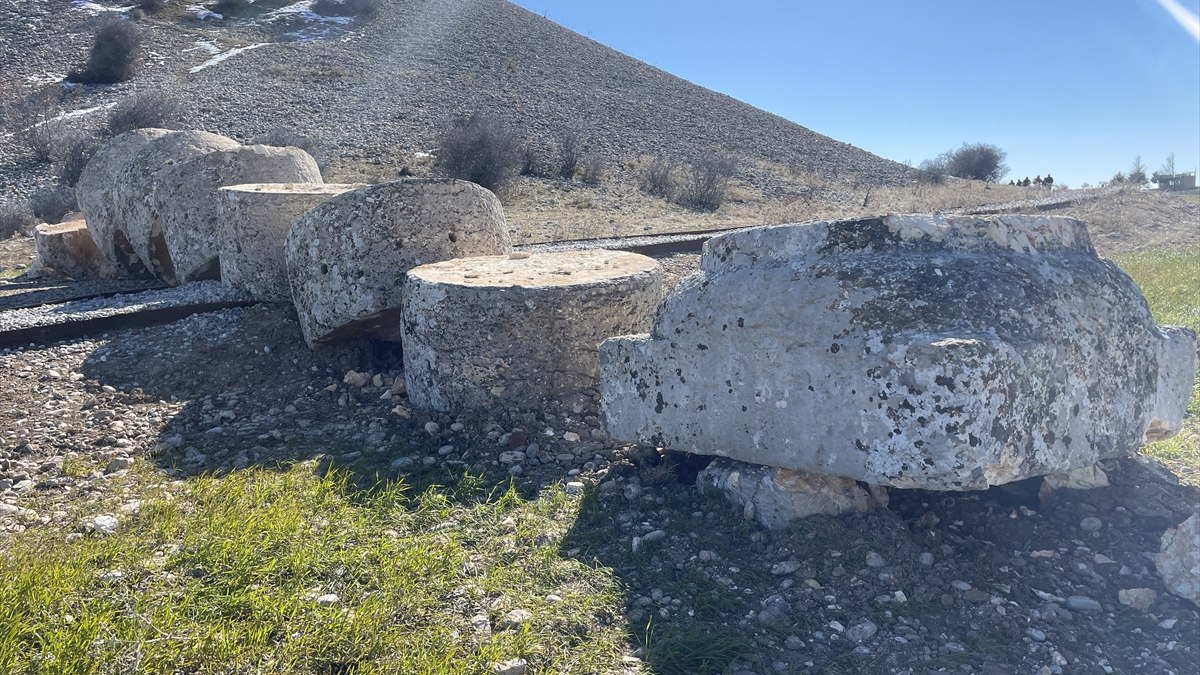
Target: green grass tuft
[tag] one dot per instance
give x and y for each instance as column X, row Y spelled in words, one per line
column 224, row 575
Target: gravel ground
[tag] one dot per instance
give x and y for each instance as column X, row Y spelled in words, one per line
column 96, row 307
column 997, row 582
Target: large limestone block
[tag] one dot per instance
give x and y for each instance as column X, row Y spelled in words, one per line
column 143, row 186
column 67, row 248
column 95, row 194
column 255, row 220
column 347, row 257
column 516, row 331
column 190, row 203
column 1178, row 560
column 910, row 351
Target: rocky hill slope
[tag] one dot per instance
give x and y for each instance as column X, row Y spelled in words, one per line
column 378, row 89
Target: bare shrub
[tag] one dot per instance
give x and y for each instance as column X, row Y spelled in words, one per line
column 51, row 204
column 151, row 6
column 73, row 154
column 931, row 172
column 658, row 178
column 346, row 7
column 534, row 161
column 593, row 169
column 144, row 110
column 479, row 149
column 16, row 218
column 114, row 55
column 570, row 150
column 41, row 138
column 706, row 181
column 975, row 161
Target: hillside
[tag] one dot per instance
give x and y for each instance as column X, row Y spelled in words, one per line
column 379, row 89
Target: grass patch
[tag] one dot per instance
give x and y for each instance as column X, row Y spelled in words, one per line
column 1170, row 280
column 224, row 575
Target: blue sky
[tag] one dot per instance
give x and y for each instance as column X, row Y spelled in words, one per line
column 1071, row 87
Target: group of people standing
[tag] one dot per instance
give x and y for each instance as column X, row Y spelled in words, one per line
column 1039, row 181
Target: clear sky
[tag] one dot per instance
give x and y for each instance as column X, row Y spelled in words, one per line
column 1076, row 88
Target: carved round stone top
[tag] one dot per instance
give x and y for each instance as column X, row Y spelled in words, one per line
column 538, row 270
column 295, row 188
column 59, row 228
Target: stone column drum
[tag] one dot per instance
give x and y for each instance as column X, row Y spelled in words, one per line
column 255, row 220
column 95, row 194
column 347, row 257
column 944, row 353
column 67, row 248
column 515, row 331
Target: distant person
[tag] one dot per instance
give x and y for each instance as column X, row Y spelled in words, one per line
column 1037, row 181
column 1049, row 180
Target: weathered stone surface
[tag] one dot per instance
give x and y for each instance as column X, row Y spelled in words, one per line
column 1178, row 560
column 1082, row 478
column 143, row 186
column 347, row 257
column 95, row 194
column 775, row 497
column 255, row 219
column 517, row 330
column 190, row 203
column 909, row 351
column 67, row 248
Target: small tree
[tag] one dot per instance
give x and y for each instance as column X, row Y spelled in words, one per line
column 114, row 56
column 1137, row 172
column 931, row 172
column 1168, row 167
column 479, row 149
column 976, row 161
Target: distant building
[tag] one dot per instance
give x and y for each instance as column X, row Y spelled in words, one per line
column 1175, row 181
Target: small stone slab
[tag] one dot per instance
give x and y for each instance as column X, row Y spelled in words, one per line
column 68, row 249
column 514, row 331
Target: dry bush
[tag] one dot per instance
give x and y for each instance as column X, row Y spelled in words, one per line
column 231, row 8
column 706, row 181
column 593, row 168
column 570, row 150
column 51, row 204
column 534, row 161
column 41, row 138
column 151, row 6
column 658, row 178
column 150, row 109
column 73, row 154
column 931, row 172
column 479, row 149
column 346, row 7
column 975, row 161
column 114, row 55
column 16, row 218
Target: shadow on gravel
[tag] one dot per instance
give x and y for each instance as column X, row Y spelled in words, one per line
column 938, row 582
column 993, row 582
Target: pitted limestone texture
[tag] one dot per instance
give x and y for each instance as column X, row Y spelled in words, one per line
column 144, row 184
column 511, row 332
column 191, row 204
column 67, row 248
column 945, row 353
column 347, row 258
column 95, row 194
column 255, row 220
column 1178, row 560
column 775, row 497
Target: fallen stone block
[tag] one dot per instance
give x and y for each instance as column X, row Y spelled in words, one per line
column 347, row 257
column 68, row 249
column 255, row 219
column 143, row 186
column 1178, row 560
column 775, row 497
column 945, row 353
column 189, row 201
column 95, row 194
column 515, row 331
